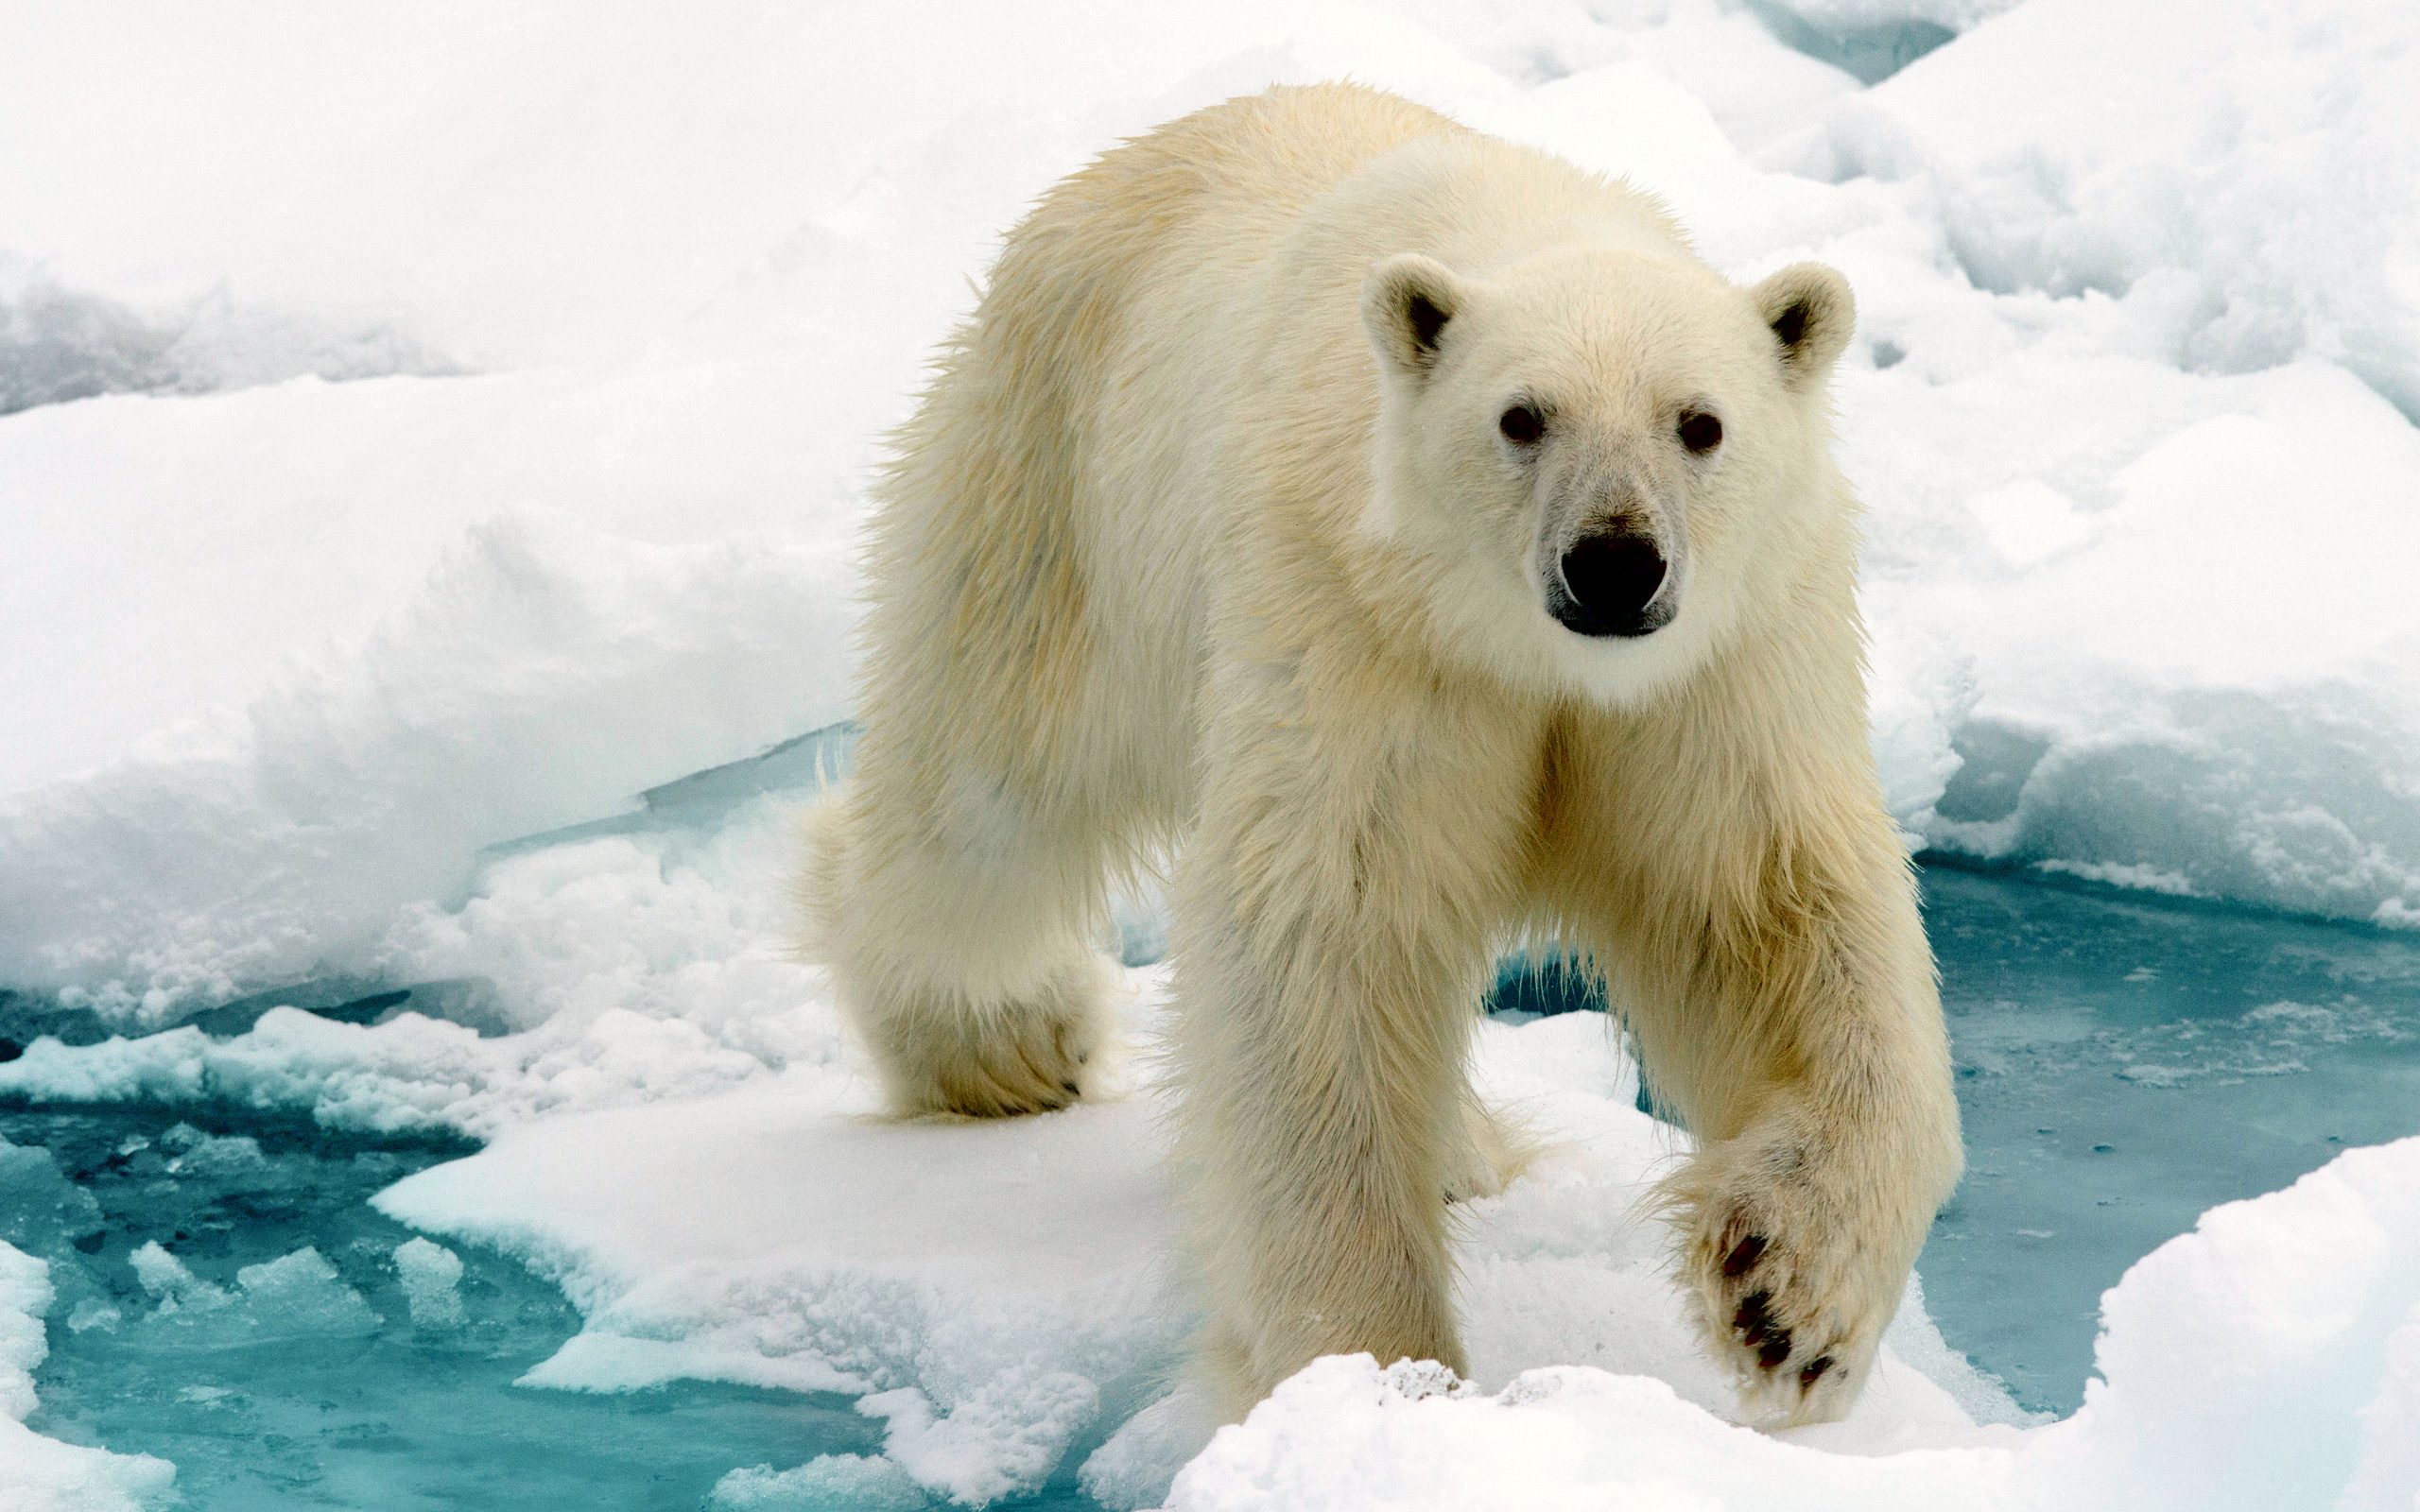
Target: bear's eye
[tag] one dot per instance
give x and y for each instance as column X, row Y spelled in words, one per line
column 1701, row 431
column 1521, row 425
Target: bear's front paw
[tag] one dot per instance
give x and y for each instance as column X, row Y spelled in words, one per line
column 1793, row 1275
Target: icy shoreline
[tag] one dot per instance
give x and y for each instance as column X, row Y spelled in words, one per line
column 1004, row 1298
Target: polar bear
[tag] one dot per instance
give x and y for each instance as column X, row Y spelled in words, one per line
column 1409, row 525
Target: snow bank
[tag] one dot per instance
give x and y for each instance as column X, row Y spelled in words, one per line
column 650, row 966
column 39, row 1475
column 2238, row 179
column 57, row 345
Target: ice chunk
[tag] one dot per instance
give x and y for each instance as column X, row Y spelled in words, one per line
column 40, row 1211
column 1002, row 1440
column 173, row 1284
column 297, row 1296
column 2168, row 740
column 1007, row 1275
column 827, row 1481
column 430, row 1273
column 92, row 1313
column 414, row 1074
column 229, row 1162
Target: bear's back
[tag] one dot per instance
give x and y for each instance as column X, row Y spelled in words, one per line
column 1241, row 169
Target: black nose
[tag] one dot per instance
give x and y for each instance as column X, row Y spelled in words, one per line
column 1606, row 584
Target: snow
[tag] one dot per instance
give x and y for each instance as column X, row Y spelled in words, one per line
column 2244, row 1365
column 1002, row 1290
column 434, row 427
column 39, row 1475
column 360, row 629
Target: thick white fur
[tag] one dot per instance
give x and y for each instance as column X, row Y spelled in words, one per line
column 1193, row 539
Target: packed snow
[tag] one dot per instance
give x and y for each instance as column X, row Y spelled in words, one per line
column 433, row 428
column 1001, row 1290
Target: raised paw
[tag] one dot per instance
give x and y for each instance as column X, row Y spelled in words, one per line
column 1797, row 1325
column 1793, row 1270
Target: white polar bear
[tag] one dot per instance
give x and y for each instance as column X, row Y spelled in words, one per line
column 1411, row 525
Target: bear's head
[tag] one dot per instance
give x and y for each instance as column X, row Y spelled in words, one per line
column 1603, row 458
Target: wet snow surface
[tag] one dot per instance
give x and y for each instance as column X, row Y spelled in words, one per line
column 430, row 443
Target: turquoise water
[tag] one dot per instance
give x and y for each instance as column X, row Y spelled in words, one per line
column 398, row 1417
column 2123, row 1064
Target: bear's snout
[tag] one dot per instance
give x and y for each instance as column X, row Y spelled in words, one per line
column 1610, row 584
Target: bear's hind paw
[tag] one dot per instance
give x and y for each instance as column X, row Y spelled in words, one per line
column 1003, row 1065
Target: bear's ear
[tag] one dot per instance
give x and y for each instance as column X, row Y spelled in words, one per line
column 1406, row 302
column 1810, row 312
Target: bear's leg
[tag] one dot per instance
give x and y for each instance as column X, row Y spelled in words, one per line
column 1774, row 971
column 961, row 939
column 1332, row 925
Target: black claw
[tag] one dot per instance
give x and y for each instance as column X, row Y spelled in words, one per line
column 1070, row 1089
column 1743, row 1256
column 1776, row 1349
column 1752, row 1319
column 1814, row 1371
